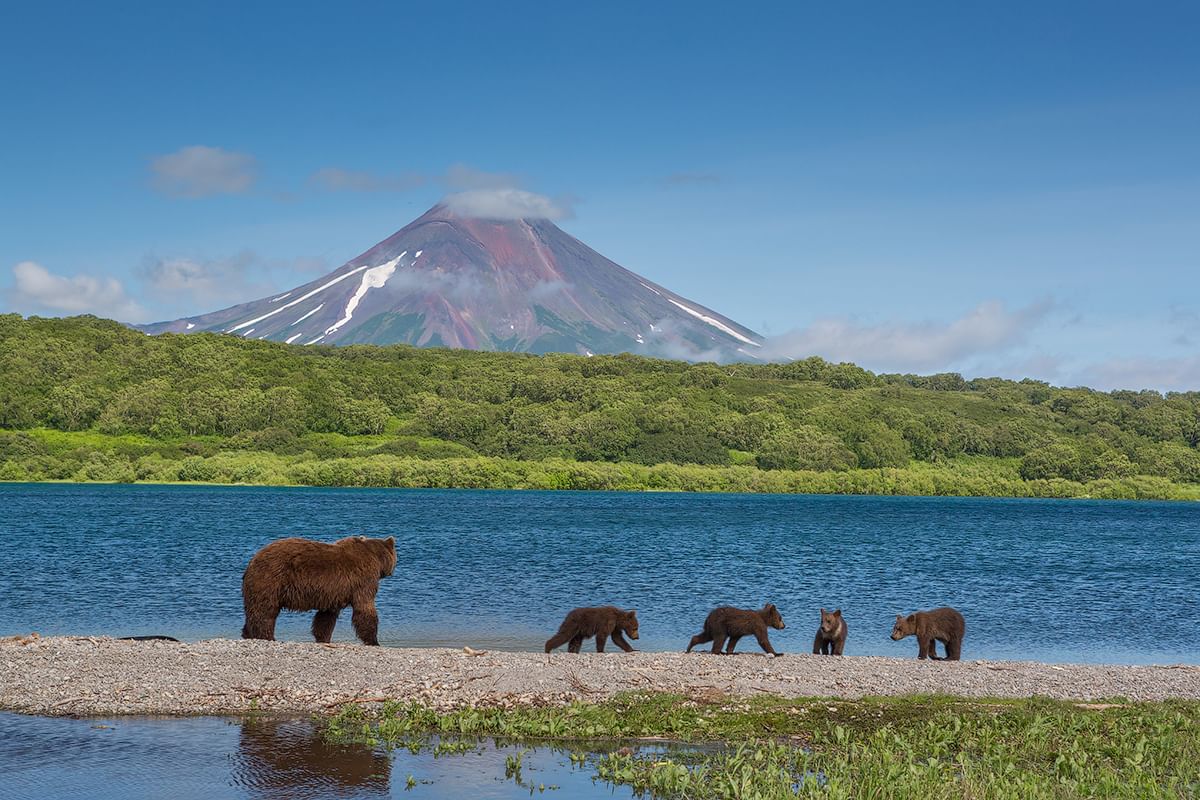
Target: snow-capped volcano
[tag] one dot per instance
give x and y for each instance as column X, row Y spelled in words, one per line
column 484, row 284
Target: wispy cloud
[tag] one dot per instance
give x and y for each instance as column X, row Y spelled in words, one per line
column 472, row 192
column 38, row 289
column 911, row 346
column 170, row 280
column 200, row 171
column 505, row 204
column 1180, row 374
column 690, row 179
column 342, row 180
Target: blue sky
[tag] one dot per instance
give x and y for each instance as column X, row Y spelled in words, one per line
column 999, row 189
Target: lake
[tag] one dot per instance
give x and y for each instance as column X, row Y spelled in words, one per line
column 1061, row 580
column 132, row 758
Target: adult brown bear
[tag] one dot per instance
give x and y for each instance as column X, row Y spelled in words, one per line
column 943, row 625
column 599, row 621
column 303, row 575
column 731, row 623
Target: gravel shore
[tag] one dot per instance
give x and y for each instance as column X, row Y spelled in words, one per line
column 100, row 676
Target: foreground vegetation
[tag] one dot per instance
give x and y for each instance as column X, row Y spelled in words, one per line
column 925, row 747
column 90, row 400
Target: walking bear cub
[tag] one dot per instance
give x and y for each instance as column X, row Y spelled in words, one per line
column 943, row 625
column 731, row 623
column 303, row 575
column 599, row 621
column 831, row 635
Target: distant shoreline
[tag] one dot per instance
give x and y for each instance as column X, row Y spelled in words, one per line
column 94, row 676
column 891, row 482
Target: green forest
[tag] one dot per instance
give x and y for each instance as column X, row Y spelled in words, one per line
column 86, row 399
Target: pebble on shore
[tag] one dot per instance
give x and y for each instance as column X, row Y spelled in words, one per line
column 92, row 676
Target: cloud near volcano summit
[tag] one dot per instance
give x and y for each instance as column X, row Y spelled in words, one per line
column 505, row 204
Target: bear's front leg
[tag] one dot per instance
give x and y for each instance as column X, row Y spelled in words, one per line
column 366, row 622
column 924, row 647
column 601, row 640
column 619, row 641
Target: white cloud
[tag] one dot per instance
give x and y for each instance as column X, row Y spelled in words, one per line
column 203, row 280
column 1180, row 374
column 505, row 204
column 910, row 346
column 199, row 171
column 37, row 288
column 336, row 179
column 544, row 290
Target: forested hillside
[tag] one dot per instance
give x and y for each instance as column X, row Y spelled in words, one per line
column 88, row 399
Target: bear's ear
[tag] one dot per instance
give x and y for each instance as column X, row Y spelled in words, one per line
column 899, row 618
column 391, row 542
column 837, row 612
column 361, row 538
column 632, row 612
column 822, row 611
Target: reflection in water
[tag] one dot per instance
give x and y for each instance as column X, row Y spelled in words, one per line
column 211, row 758
column 286, row 758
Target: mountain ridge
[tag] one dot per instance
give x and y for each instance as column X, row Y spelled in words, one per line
column 451, row 280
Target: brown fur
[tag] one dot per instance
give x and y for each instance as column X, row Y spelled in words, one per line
column 303, row 575
column 599, row 621
column 943, row 625
column 731, row 623
column 831, row 634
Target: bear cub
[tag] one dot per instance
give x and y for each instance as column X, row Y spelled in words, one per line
column 831, row 634
column 599, row 621
column 943, row 625
column 731, row 623
column 303, row 575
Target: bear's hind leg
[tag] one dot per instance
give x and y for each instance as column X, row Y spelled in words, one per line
column 576, row 643
column 953, row 649
column 323, row 624
column 718, row 643
column 366, row 622
column 601, row 640
column 259, row 625
column 557, row 640
column 704, row 637
column 733, row 640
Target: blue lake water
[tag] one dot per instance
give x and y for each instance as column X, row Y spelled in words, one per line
column 205, row 758
column 1064, row 580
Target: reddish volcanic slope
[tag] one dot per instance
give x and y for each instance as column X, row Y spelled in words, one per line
column 485, row 284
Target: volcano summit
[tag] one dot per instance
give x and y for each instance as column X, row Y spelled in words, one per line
column 449, row 280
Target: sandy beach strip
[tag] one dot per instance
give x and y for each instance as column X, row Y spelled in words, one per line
column 95, row 676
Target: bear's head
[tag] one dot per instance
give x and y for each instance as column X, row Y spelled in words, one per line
column 905, row 626
column 386, row 548
column 629, row 623
column 831, row 621
column 772, row 617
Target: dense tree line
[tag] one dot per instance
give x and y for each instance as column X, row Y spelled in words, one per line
column 126, row 396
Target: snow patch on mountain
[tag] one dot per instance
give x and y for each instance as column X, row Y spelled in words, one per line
column 374, row 278
column 309, row 314
column 714, row 322
column 318, row 290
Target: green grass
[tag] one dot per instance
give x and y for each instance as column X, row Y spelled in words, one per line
column 928, row 747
